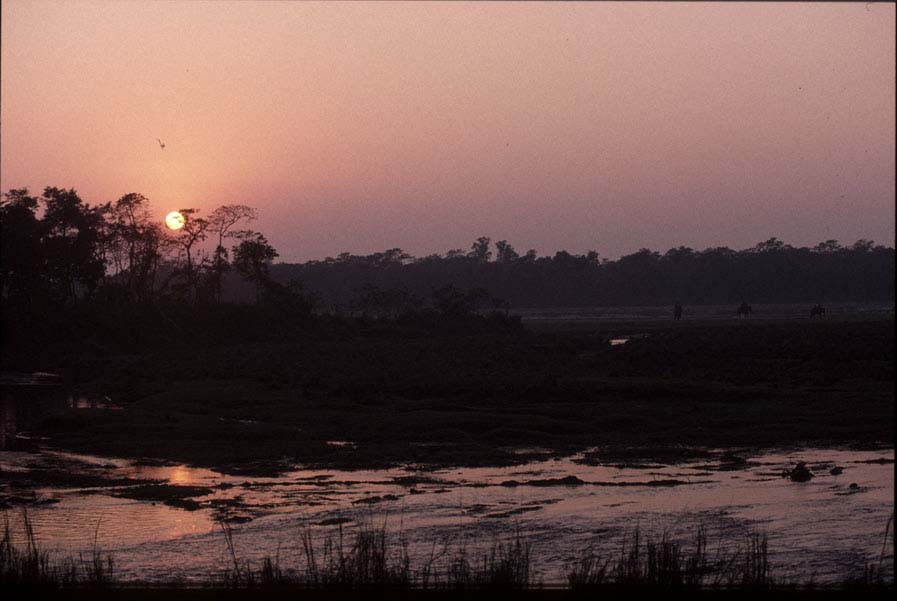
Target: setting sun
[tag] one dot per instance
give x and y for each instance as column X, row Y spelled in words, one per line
column 174, row 220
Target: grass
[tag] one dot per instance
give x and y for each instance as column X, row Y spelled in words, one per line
column 376, row 560
column 645, row 562
column 875, row 575
column 29, row 566
column 373, row 558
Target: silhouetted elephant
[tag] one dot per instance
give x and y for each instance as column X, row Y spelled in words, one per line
column 744, row 310
column 817, row 311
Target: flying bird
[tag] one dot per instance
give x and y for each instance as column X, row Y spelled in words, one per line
column 161, row 144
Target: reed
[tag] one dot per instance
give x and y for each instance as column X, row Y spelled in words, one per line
column 373, row 558
column 665, row 564
column 29, row 565
column 506, row 565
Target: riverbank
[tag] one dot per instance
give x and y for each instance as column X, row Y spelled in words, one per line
column 385, row 399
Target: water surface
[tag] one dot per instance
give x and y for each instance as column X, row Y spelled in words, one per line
column 824, row 529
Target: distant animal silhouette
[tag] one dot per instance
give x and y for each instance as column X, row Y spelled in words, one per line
column 817, row 311
column 161, row 144
column 744, row 310
column 677, row 312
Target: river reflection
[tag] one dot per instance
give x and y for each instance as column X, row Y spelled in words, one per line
column 823, row 529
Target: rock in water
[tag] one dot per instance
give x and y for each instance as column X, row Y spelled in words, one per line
column 801, row 473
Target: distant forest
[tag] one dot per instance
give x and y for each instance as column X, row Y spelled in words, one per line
column 771, row 271
column 58, row 253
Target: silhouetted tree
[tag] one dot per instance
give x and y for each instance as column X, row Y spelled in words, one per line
column 195, row 230
column 136, row 245
column 222, row 222
column 479, row 250
column 530, row 256
column 505, row 253
column 829, row 246
column 71, row 243
column 862, row 245
column 252, row 259
column 20, row 246
column 771, row 245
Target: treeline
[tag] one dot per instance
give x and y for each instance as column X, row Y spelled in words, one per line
column 110, row 278
column 85, row 279
column 58, row 250
column 59, row 253
column 771, row 271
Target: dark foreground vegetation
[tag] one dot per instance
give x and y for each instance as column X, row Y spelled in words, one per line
column 373, row 560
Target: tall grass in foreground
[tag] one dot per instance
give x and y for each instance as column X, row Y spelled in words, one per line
column 667, row 564
column 30, row 565
column 876, row 574
column 374, row 558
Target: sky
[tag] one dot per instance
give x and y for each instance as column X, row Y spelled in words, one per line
column 358, row 127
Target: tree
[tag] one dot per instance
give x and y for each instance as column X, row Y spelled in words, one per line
column 505, row 253
column 393, row 256
column 771, row 245
column 479, row 250
column 72, row 243
column 862, row 245
column 20, row 245
column 136, row 243
column 829, row 246
column 252, row 258
column 222, row 222
column 682, row 253
column 195, row 230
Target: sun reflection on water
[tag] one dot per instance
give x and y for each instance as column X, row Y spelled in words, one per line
column 181, row 474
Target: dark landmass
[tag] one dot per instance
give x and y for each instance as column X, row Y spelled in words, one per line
column 476, row 400
column 421, row 360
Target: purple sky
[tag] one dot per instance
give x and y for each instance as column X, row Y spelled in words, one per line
column 364, row 126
